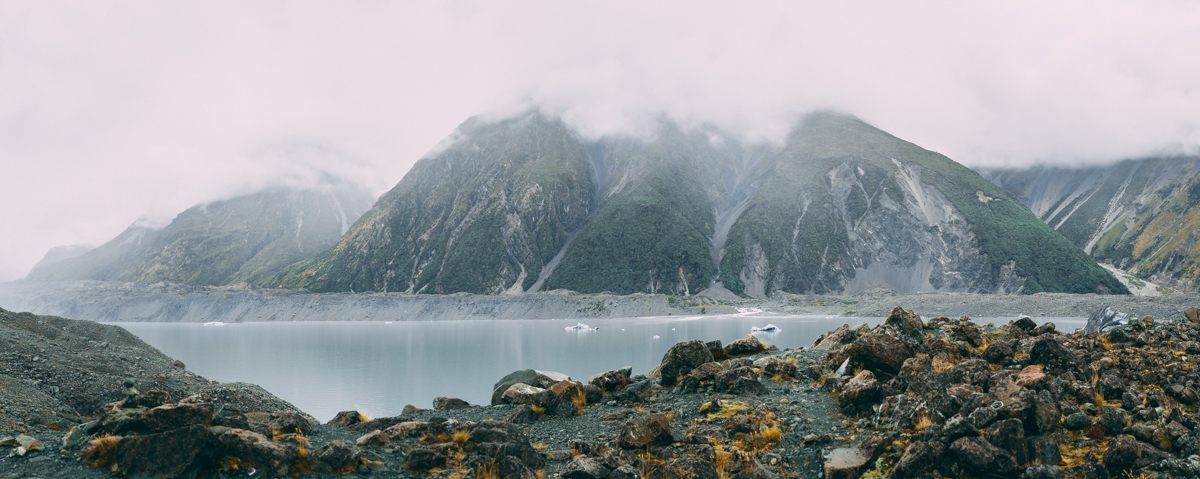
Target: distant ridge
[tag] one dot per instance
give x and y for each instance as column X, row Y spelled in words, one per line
column 238, row 240
column 526, row 204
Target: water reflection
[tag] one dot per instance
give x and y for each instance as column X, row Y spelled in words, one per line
column 377, row 367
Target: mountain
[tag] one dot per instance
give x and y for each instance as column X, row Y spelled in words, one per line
column 59, row 253
column 527, row 204
column 238, row 240
column 1140, row 215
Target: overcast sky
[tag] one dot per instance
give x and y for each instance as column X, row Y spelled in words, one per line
column 111, row 111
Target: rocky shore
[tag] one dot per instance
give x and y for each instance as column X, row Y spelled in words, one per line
column 939, row 397
column 131, row 302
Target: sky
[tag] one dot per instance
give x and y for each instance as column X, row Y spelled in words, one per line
column 115, row 111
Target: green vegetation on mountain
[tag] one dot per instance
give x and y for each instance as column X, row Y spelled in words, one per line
column 650, row 232
column 797, row 178
column 483, row 215
column 1139, row 215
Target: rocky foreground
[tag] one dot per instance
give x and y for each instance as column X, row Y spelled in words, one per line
column 909, row 398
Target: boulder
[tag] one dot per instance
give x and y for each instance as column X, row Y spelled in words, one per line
column 625, row 471
column 532, row 377
column 521, row 393
column 847, row 463
column 174, row 416
column 860, row 391
column 117, row 420
column 958, row 426
column 167, row 454
column 1076, row 421
column 740, row 381
column 742, row 347
column 273, row 457
column 584, row 468
column 917, row 459
column 906, row 322
column 291, row 422
column 1111, row 386
column 1000, row 352
column 682, row 358
column 837, row 338
column 1047, row 350
column 346, row 419
column 773, row 366
column 1113, row 420
column 1030, row 377
column 507, row 441
column 334, row 456
column 612, row 380
column 571, row 391
column 714, row 348
column 968, row 332
column 410, row 429
column 374, row 438
column 554, row 404
column 442, row 403
column 1192, row 314
column 592, row 393
column 419, row 460
column 980, row 457
column 1043, row 471
column 1024, row 323
column 523, row 414
column 1009, row 435
column 707, row 435
column 880, row 353
column 646, row 431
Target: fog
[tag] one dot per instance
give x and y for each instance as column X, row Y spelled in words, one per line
column 115, row 111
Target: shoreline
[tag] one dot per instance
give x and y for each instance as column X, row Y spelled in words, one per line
column 129, row 302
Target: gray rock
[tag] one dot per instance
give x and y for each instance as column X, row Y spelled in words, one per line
column 584, row 468
column 334, row 456
column 424, row 460
column 532, row 377
column 1105, row 319
column 442, row 403
column 682, row 358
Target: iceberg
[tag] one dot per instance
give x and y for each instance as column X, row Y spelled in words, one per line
column 214, row 323
column 769, row 328
column 581, row 327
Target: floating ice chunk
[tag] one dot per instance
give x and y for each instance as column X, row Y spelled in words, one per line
column 581, row 327
column 214, row 323
column 655, row 336
column 769, row 328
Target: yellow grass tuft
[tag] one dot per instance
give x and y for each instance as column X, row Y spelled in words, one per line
column 487, row 470
column 539, row 445
column 461, row 437
column 923, row 423
column 580, row 401
column 772, row 434
column 792, row 360
column 940, row 365
column 363, row 418
column 538, row 409
column 101, row 452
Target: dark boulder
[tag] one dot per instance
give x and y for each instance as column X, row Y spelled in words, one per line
column 346, row 419
column 1113, row 420
column 681, row 359
column 1009, row 435
column 167, row 454
column 714, row 348
column 1047, row 350
column 335, row 456
column 515, row 442
column 917, row 459
column 1024, row 323
column 291, row 422
column 646, row 431
column 522, row 414
column 584, row 468
column 423, row 460
column 906, row 322
column 532, row 377
column 150, row 399
column 980, row 457
column 273, row 457
column 1000, row 352
column 612, row 380
column 880, row 353
column 174, row 416
column 862, row 390
column 969, row 333
column 745, row 346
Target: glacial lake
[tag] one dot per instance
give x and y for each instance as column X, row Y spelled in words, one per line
column 378, row 367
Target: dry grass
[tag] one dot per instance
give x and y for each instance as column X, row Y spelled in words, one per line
column 923, row 423
column 728, row 408
column 580, row 401
column 540, row 411
column 539, row 445
column 487, row 470
column 461, row 437
column 772, row 434
column 721, row 462
column 101, row 452
column 363, row 417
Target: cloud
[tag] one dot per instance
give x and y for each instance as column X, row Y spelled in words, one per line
column 110, row 112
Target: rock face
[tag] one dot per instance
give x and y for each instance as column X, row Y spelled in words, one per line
column 526, row 204
column 243, row 239
column 1139, row 214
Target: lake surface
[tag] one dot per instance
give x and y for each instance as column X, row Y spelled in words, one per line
column 378, row 367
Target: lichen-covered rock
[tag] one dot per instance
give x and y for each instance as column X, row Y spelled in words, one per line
column 532, row 377
column 584, row 468
column 419, row 460
column 274, row 457
column 611, row 380
column 861, row 390
column 174, row 416
column 917, row 459
column 167, row 454
column 291, row 422
column 685, row 467
column 442, row 403
column 346, row 418
column 979, row 456
column 334, row 456
column 907, row 322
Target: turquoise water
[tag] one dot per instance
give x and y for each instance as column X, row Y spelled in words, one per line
column 377, row 367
